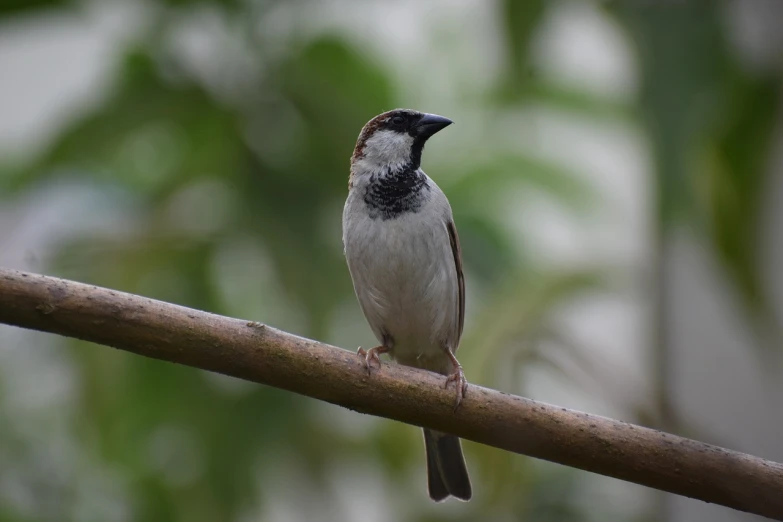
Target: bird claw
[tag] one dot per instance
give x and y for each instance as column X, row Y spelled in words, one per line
column 371, row 356
column 461, row 383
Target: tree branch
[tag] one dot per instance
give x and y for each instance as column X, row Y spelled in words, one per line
column 265, row 355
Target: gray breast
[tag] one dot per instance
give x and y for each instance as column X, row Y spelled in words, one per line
column 403, row 273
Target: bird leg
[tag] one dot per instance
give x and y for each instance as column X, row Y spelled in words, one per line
column 371, row 356
column 458, row 378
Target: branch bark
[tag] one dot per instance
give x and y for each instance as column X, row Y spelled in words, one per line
column 265, row 355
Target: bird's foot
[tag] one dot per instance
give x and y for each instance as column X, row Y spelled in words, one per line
column 459, row 380
column 372, row 356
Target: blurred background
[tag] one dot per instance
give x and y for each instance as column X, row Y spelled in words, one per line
column 616, row 178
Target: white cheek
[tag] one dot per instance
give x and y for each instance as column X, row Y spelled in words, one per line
column 389, row 148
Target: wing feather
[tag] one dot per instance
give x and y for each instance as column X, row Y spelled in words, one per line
column 457, row 251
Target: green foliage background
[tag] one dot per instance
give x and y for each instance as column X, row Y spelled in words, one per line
column 229, row 183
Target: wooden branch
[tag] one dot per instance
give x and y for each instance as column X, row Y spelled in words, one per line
column 265, row 355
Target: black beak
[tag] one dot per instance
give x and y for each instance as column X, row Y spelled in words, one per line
column 429, row 124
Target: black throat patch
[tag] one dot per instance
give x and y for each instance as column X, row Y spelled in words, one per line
column 393, row 193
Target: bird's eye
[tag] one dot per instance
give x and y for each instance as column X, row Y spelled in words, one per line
column 398, row 120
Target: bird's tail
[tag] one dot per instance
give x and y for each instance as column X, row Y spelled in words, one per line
column 446, row 470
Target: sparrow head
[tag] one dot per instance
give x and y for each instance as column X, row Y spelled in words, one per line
column 395, row 139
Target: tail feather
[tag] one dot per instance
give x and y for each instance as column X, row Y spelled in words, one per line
column 437, row 489
column 447, row 473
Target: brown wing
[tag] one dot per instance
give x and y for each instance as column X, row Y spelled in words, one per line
column 455, row 249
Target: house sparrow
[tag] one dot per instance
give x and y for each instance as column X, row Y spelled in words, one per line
column 404, row 257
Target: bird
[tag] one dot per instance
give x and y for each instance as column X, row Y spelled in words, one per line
column 404, row 257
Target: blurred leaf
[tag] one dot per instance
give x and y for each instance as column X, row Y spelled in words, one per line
column 683, row 59
column 518, row 311
column 486, row 250
column 574, row 100
column 478, row 186
column 181, row 3
column 149, row 136
column 334, row 91
column 695, row 95
column 520, row 20
column 336, row 87
column 549, row 501
column 15, row 7
column 735, row 178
